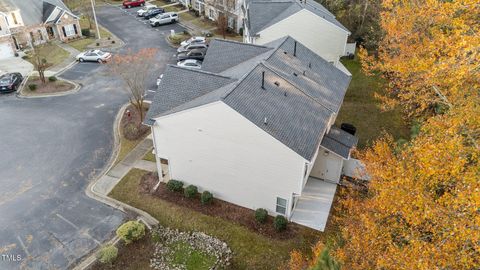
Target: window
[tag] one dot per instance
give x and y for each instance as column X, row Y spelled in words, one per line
column 40, row 34
column 69, row 30
column 14, row 18
column 211, row 14
column 281, row 207
column 32, row 38
column 231, row 22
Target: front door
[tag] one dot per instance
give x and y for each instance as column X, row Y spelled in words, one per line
column 51, row 34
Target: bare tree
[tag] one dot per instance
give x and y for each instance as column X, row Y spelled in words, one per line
column 39, row 61
column 222, row 25
column 134, row 68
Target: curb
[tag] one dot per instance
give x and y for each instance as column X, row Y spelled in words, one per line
column 69, row 92
column 142, row 215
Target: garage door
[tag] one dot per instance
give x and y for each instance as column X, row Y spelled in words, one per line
column 5, row 51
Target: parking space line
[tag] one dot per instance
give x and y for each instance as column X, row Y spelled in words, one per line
column 67, row 221
column 23, row 246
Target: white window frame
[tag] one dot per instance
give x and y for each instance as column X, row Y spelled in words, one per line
column 69, row 30
column 277, row 206
column 211, row 13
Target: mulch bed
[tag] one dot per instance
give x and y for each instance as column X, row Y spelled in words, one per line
column 49, row 87
column 218, row 208
column 135, row 256
column 131, row 118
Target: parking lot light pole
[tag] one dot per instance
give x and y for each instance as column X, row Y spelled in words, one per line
column 95, row 18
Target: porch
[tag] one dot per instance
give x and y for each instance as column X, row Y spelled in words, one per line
column 312, row 208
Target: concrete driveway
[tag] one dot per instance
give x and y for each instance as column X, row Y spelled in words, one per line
column 51, row 148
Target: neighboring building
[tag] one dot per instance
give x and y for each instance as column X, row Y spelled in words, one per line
column 31, row 22
column 231, row 9
column 254, row 127
column 308, row 22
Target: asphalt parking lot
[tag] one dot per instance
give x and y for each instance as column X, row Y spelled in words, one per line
column 51, row 148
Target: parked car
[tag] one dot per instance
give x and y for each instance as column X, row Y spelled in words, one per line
column 94, row 55
column 145, row 9
column 9, row 82
column 193, row 40
column 133, row 3
column 193, row 46
column 169, row 17
column 190, row 63
column 152, row 13
column 198, row 54
column 159, row 79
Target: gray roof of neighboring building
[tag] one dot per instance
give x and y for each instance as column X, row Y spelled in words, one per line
column 265, row 13
column 34, row 11
column 177, row 88
column 339, row 142
column 223, row 54
column 7, row 5
column 296, row 108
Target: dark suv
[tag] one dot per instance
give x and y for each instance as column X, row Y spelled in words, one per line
column 9, row 82
column 152, row 13
column 197, row 54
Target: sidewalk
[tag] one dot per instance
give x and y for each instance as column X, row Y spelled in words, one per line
column 133, row 160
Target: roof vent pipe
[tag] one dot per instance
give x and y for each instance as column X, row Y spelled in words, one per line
column 263, row 79
column 265, row 121
column 295, row 49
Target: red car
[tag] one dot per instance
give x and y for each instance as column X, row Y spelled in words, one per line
column 133, row 3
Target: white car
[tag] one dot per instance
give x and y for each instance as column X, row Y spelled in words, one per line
column 193, row 40
column 190, row 63
column 164, row 18
column 94, row 55
column 159, row 79
column 144, row 10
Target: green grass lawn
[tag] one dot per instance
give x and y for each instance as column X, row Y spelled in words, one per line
column 81, row 44
column 187, row 16
column 160, row 3
column 251, row 250
column 150, row 156
column 362, row 109
column 192, row 259
column 175, row 8
column 52, row 53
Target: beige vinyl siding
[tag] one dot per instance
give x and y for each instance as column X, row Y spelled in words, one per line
column 217, row 149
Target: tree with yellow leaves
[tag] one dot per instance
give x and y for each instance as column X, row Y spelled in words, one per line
column 430, row 51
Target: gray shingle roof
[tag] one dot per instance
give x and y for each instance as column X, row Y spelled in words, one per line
column 178, row 87
column 339, row 142
column 265, row 13
column 296, row 108
column 224, row 54
column 292, row 117
column 33, row 11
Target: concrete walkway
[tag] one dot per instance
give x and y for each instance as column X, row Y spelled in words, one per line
column 133, row 160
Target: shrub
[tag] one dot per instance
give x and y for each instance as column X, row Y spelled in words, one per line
column 175, row 39
column 175, row 185
column 280, row 223
column 32, row 87
column 98, row 44
column 206, row 197
column 52, row 79
column 190, row 191
column 131, row 231
column 261, row 215
column 107, row 254
column 133, row 131
column 113, row 41
column 86, row 32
